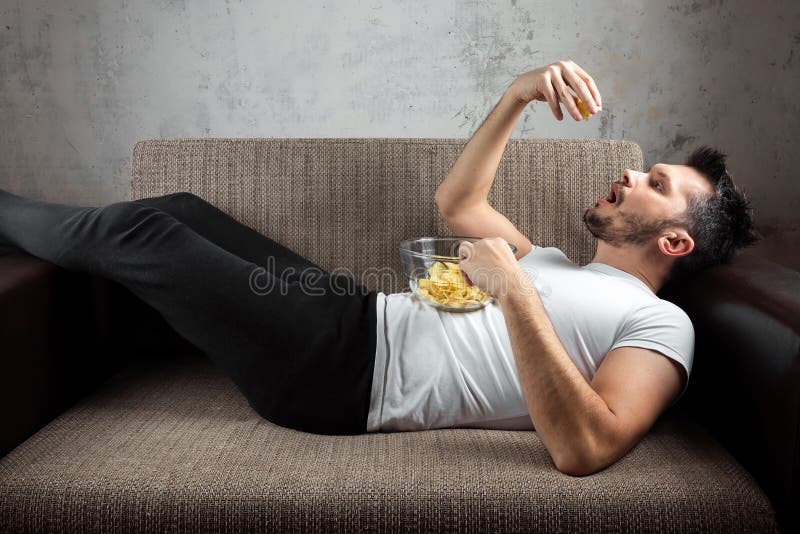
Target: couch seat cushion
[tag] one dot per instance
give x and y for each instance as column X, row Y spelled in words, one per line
column 170, row 445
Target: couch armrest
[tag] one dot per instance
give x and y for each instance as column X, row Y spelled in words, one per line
column 745, row 383
column 55, row 332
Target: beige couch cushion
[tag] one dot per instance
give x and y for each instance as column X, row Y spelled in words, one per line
column 172, row 446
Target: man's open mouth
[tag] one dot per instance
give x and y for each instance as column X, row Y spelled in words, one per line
column 612, row 196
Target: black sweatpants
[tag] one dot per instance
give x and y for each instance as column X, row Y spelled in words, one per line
column 297, row 341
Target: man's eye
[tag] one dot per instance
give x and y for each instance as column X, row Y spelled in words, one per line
column 658, row 184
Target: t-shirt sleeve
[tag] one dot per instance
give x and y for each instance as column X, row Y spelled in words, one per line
column 663, row 327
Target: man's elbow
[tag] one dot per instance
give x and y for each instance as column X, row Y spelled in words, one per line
column 442, row 204
column 577, row 466
column 577, row 469
column 588, row 461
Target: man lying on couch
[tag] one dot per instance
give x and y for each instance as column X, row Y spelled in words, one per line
column 587, row 356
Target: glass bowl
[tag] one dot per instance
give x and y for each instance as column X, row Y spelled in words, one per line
column 419, row 255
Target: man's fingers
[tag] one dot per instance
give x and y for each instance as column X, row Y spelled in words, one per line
column 566, row 98
column 592, row 86
column 465, row 250
column 581, row 90
column 552, row 99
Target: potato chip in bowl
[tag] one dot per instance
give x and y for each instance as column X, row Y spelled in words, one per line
column 432, row 267
column 447, row 287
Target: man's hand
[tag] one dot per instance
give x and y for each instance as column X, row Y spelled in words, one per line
column 491, row 265
column 549, row 83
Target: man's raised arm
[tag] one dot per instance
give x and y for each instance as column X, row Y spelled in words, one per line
column 470, row 178
column 462, row 198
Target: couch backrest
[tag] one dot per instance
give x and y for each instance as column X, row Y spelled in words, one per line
column 345, row 204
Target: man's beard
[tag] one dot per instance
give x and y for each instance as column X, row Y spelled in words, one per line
column 631, row 229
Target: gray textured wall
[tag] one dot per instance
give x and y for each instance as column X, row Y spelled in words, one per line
column 83, row 80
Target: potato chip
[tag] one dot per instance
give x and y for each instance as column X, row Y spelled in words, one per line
column 583, row 110
column 446, row 286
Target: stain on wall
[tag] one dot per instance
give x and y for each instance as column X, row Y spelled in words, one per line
column 82, row 81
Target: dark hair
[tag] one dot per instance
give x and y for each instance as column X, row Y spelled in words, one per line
column 720, row 224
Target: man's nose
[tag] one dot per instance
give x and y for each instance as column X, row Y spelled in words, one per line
column 630, row 177
column 626, row 178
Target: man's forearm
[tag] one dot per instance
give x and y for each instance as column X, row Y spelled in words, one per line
column 571, row 419
column 470, row 178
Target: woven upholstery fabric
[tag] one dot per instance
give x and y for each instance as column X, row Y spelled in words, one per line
column 173, row 447
column 345, row 204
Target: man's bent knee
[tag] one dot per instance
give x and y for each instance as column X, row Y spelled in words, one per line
column 182, row 196
column 112, row 226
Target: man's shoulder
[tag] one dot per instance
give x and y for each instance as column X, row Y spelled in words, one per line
column 661, row 311
column 539, row 252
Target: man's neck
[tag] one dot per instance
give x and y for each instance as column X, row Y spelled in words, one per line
column 634, row 261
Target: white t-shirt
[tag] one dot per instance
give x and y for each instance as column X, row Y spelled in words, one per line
column 436, row 369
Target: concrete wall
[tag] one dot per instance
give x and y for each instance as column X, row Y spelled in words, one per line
column 83, row 80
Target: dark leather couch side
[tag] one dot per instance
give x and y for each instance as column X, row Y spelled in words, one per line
column 54, row 330
column 745, row 383
column 62, row 334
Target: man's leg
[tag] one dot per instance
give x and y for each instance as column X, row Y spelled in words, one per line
column 228, row 233
column 301, row 354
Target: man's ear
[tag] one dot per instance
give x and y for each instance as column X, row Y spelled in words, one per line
column 675, row 243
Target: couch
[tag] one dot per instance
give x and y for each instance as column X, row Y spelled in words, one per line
column 112, row 422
